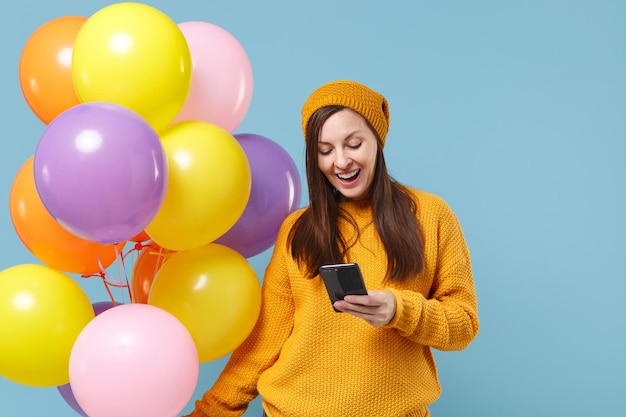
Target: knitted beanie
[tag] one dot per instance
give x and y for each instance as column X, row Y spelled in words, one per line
column 365, row 101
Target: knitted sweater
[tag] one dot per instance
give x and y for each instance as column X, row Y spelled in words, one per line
column 306, row 360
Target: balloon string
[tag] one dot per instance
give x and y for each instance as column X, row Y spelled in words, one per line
column 121, row 266
column 107, row 284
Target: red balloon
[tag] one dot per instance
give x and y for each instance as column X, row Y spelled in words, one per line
column 148, row 263
column 140, row 237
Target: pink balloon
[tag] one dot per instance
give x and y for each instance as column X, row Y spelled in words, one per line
column 66, row 389
column 221, row 77
column 134, row 360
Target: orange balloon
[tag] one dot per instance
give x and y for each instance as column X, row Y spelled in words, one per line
column 148, row 263
column 46, row 238
column 45, row 68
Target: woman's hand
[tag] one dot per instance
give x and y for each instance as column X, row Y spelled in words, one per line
column 377, row 307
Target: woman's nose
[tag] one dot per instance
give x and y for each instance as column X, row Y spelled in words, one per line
column 342, row 160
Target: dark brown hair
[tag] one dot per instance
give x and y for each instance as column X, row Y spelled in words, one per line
column 315, row 238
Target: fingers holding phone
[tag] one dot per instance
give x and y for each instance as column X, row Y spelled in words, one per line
column 346, row 290
column 377, row 307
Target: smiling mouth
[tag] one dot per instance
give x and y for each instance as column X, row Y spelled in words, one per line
column 349, row 176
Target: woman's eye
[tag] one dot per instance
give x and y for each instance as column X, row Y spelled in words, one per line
column 355, row 145
column 324, row 152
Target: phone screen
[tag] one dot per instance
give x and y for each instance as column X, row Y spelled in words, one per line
column 341, row 280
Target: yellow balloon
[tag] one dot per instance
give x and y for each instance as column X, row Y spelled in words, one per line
column 209, row 183
column 214, row 292
column 42, row 312
column 133, row 55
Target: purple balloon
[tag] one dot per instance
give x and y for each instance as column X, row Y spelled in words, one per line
column 100, row 171
column 66, row 389
column 68, row 395
column 101, row 306
column 275, row 192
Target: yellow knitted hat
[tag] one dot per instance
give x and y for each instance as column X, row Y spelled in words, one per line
column 365, row 101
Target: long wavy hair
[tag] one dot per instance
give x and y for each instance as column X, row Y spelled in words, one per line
column 315, row 238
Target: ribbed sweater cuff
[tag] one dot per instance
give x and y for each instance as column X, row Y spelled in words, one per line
column 406, row 312
column 197, row 412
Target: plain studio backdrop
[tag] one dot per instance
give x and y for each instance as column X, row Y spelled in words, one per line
column 514, row 112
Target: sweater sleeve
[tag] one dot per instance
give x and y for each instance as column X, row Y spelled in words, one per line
column 447, row 317
column 236, row 385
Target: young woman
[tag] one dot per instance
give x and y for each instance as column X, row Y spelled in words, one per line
column 373, row 358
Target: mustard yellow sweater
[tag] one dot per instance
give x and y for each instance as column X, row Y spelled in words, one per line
column 305, row 360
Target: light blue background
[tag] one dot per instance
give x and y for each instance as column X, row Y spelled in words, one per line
column 514, row 112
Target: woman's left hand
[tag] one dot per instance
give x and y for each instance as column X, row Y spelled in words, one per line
column 377, row 307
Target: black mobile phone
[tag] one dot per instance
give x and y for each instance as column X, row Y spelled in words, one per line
column 341, row 280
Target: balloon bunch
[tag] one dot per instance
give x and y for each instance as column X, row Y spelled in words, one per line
column 138, row 148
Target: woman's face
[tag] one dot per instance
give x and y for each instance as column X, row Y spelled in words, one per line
column 347, row 150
